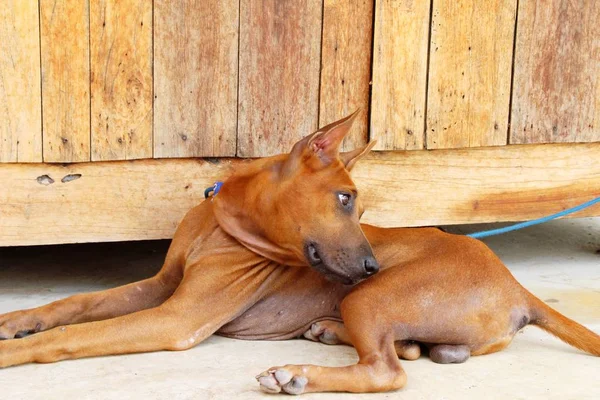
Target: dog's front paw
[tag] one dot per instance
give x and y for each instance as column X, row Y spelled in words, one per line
column 323, row 332
column 281, row 379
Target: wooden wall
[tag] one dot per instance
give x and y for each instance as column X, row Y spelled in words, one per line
column 146, row 199
column 105, row 80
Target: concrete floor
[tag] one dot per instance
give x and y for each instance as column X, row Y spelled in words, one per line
column 559, row 262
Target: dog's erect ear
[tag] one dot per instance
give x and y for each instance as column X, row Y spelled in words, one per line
column 350, row 158
column 325, row 143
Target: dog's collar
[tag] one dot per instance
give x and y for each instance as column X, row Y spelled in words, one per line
column 213, row 189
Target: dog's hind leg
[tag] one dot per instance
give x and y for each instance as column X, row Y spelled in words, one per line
column 94, row 306
column 328, row 332
column 449, row 354
column 407, row 349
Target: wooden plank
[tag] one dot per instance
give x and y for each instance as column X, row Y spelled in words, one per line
column 65, row 80
column 346, row 66
column 20, row 101
column 556, row 95
column 121, row 79
column 152, row 196
column 412, row 188
column 399, row 74
column 195, row 77
column 470, row 73
column 280, row 43
column 472, row 185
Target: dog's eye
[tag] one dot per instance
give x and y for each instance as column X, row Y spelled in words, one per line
column 344, row 199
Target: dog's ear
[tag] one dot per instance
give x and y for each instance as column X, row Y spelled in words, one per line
column 325, row 142
column 350, row 158
column 321, row 146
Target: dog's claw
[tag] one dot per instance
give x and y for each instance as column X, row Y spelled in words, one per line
column 281, row 380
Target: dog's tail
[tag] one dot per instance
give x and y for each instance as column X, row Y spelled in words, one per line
column 562, row 327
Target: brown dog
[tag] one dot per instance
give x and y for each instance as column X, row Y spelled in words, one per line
column 237, row 266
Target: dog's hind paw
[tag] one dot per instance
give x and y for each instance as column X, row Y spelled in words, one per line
column 324, row 332
column 280, row 379
column 18, row 324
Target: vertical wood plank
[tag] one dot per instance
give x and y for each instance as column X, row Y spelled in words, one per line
column 195, row 77
column 121, row 79
column 470, row 73
column 280, row 44
column 399, row 74
column 556, row 95
column 65, row 80
column 20, row 101
column 346, row 65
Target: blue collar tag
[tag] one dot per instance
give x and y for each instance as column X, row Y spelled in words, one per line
column 213, row 189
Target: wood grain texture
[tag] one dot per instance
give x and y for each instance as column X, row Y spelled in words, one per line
column 152, row 196
column 65, row 80
column 412, row 188
column 195, row 77
column 280, row 43
column 556, row 90
column 346, row 66
column 399, row 74
column 470, row 73
column 20, row 102
column 121, row 79
column 472, row 185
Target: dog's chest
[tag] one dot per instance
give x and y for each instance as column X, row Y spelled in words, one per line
column 289, row 311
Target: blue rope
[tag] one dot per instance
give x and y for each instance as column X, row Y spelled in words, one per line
column 525, row 224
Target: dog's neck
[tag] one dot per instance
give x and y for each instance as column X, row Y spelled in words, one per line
column 246, row 197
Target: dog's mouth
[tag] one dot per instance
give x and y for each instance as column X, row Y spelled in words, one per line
column 316, row 262
column 312, row 254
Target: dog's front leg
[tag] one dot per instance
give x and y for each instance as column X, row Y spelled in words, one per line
column 197, row 309
column 378, row 370
column 87, row 307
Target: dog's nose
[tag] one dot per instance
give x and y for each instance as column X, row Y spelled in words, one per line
column 371, row 266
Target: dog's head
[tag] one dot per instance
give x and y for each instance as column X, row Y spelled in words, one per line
column 302, row 208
